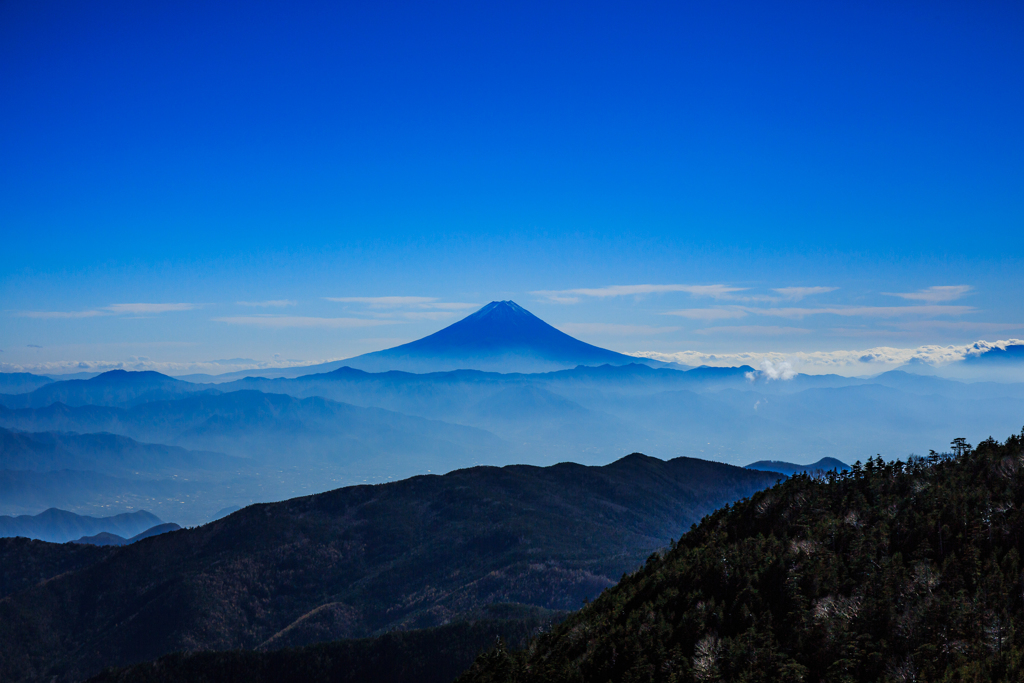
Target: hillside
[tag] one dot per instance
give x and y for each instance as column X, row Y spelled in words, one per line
column 434, row 655
column 364, row 559
column 890, row 572
column 27, row 562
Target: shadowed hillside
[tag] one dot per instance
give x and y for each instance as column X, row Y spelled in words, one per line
column 436, row 655
column 890, row 572
column 27, row 562
column 359, row 560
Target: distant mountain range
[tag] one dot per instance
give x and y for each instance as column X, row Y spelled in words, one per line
column 788, row 468
column 358, row 561
column 60, row 526
column 256, row 425
column 21, row 382
column 116, row 387
column 259, row 439
column 106, row 538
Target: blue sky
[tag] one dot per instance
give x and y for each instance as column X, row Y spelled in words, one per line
column 161, row 162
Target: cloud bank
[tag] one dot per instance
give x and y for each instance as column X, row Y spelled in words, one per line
column 845, row 362
column 212, row 367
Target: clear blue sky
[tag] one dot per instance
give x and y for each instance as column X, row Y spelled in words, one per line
column 210, row 153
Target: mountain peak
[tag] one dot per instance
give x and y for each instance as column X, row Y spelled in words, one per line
column 130, row 376
column 502, row 336
column 502, row 308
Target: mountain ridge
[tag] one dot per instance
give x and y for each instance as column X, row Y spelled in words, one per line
column 363, row 559
column 59, row 526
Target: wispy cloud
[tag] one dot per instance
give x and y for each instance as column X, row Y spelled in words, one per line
column 613, row 329
column 797, row 293
column 426, row 315
column 709, row 313
column 934, row 295
column 382, row 301
column 571, row 296
column 762, row 330
column 62, row 314
column 214, row 367
column 136, row 309
column 112, row 309
column 418, row 302
column 274, row 303
column 865, row 311
column 798, row 313
column 283, row 321
column 956, row 326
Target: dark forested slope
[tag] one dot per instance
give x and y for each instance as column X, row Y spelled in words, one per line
column 26, row 562
column 359, row 560
column 433, row 655
column 890, row 572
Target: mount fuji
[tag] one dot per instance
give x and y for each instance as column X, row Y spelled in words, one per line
column 500, row 337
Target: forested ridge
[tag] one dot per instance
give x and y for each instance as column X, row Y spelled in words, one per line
column 894, row 571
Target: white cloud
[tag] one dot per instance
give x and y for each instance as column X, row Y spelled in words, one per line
column 609, row 328
column 61, row 314
column 451, row 306
column 275, row 303
column 121, row 309
column 782, row 370
column 864, row 311
column 426, row 315
column 382, row 301
column 768, row 330
column 797, row 293
column 283, row 321
column 571, row 296
column 113, row 309
column 415, row 302
column 214, row 367
column 934, row 295
column 708, row 313
column 863, row 361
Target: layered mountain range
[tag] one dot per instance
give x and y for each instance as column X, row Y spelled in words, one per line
column 356, row 561
column 184, row 450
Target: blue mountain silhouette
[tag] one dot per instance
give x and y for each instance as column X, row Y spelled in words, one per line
column 503, row 337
